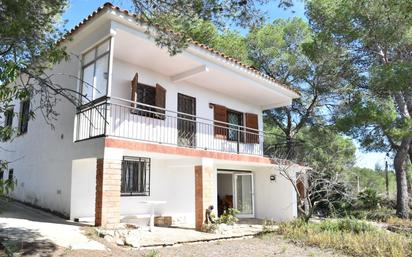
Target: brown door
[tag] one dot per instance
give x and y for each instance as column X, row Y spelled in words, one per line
column 186, row 123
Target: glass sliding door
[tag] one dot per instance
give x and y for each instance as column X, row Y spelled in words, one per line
column 244, row 196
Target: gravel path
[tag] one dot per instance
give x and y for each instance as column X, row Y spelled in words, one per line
column 268, row 245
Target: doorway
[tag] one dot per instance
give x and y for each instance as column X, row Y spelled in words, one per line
column 235, row 190
column 186, row 123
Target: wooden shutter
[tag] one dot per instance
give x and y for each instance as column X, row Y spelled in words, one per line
column 220, row 114
column 160, row 99
column 252, row 128
column 134, row 90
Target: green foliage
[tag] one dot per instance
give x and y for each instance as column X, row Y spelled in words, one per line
column 6, row 186
column 27, row 49
column 377, row 108
column 327, row 150
column 352, row 237
column 346, row 225
column 228, row 217
column 209, row 228
column 183, row 16
column 368, row 178
column 369, row 199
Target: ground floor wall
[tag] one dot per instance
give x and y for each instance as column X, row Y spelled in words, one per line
column 44, row 176
column 275, row 196
column 173, row 181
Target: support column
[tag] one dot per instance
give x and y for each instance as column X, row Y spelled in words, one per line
column 204, row 192
column 108, row 179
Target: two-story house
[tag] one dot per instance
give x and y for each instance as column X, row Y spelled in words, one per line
column 184, row 130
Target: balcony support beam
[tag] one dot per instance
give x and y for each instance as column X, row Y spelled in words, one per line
column 189, row 73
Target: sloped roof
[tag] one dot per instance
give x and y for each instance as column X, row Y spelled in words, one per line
column 109, row 6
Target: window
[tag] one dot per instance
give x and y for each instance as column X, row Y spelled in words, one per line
column 11, row 171
column 235, row 120
column 135, row 176
column 24, row 116
column 155, row 96
column 95, row 72
column 146, row 95
column 8, row 117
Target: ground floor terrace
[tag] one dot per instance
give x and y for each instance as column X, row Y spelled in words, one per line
column 134, row 180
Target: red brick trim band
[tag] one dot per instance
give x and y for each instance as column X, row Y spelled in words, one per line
column 167, row 149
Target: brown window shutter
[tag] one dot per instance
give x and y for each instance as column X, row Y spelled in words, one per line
column 252, row 127
column 134, row 90
column 160, row 99
column 220, row 114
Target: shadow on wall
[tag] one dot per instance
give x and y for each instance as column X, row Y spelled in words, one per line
column 25, row 242
column 16, row 210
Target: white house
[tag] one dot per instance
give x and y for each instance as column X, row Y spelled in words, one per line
column 185, row 130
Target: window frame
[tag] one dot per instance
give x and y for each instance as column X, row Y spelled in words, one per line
column 9, row 116
column 240, row 126
column 146, row 111
column 24, row 121
column 147, row 164
column 93, row 62
column 10, row 176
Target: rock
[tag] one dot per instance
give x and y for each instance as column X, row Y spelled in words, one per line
column 133, row 240
column 119, row 241
column 108, row 238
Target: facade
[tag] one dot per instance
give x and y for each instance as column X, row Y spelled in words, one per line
column 183, row 130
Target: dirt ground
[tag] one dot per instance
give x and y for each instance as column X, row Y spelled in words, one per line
column 267, row 245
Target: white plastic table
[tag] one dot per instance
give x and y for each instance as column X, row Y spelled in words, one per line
column 152, row 205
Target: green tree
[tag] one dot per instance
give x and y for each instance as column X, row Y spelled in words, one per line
column 182, row 16
column 28, row 49
column 378, row 37
column 287, row 51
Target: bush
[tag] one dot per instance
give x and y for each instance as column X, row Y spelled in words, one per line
column 368, row 199
column 380, row 215
column 228, row 217
column 346, row 225
column 355, row 238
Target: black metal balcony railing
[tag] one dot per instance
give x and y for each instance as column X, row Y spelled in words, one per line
column 125, row 119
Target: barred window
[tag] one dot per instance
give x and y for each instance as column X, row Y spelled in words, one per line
column 135, row 176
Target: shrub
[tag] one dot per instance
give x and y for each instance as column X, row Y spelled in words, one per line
column 369, row 199
column 228, row 217
column 269, row 226
column 355, row 238
column 209, row 228
column 346, row 225
column 381, row 215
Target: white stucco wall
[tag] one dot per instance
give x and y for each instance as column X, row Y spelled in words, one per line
column 274, row 199
column 42, row 158
column 83, row 188
column 171, row 180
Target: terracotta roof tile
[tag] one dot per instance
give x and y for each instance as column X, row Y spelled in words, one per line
column 198, row 44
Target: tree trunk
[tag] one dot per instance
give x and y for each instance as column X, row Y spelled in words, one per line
column 402, row 199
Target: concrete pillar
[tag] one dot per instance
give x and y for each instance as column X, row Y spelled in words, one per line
column 204, row 192
column 108, row 180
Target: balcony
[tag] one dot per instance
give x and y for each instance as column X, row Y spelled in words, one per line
column 121, row 118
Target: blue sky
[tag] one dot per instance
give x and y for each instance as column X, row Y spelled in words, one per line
column 79, row 9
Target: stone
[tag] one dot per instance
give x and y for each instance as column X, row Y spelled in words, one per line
column 119, row 241
column 133, row 239
column 109, row 238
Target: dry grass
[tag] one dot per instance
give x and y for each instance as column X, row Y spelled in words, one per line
column 399, row 222
column 354, row 238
